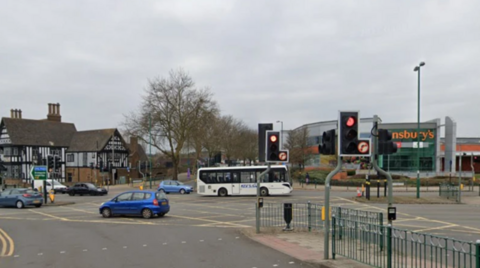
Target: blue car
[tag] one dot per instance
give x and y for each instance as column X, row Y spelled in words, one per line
column 171, row 186
column 136, row 203
column 20, row 198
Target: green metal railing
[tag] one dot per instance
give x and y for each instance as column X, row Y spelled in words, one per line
column 309, row 215
column 304, row 215
column 448, row 190
column 359, row 241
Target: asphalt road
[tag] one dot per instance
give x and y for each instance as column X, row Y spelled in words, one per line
column 198, row 232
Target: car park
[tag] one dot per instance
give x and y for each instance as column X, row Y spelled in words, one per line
column 136, row 203
column 172, row 186
column 84, row 188
column 20, row 198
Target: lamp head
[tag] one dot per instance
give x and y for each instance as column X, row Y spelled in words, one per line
column 422, row 64
column 416, row 68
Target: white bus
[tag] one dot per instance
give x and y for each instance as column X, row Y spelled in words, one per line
column 223, row 181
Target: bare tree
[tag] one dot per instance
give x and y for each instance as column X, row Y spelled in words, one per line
column 297, row 145
column 170, row 111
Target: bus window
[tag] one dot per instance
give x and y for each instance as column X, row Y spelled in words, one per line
column 247, row 177
column 235, row 177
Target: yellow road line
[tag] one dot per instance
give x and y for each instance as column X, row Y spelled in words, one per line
column 48, row 215
column 206, row 220
column 436, row 228
column 4, row 245
column 10, row 241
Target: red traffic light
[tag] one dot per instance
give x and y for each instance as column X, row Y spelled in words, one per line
column 273, row 138
column 351, row 121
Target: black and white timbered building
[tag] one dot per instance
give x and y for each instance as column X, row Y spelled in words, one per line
column 93, row 147
column 26, row 142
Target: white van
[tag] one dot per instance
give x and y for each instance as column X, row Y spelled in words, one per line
column 57, row 186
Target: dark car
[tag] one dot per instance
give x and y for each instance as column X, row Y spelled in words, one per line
column 82, row 188
column 137, row 203
column 20, row 198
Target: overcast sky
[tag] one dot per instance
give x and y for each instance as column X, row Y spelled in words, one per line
column 295, row 61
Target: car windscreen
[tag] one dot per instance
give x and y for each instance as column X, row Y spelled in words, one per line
column 56, row 183
column 159, row 196
column 91, row 186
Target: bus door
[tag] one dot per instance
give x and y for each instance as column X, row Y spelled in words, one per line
column 235, row 183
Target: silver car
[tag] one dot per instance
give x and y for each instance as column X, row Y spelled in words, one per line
column 20, row 198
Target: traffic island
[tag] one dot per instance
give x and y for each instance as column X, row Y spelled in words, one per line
column 407, row 200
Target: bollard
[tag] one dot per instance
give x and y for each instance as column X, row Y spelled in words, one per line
column 287, row 215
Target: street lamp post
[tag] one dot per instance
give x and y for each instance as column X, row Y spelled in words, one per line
column 281, row 133
column 417, row 69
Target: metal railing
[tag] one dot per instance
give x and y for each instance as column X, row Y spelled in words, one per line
column 309, row 215
column 403, row 248
column 447, row 190
column 304, row 215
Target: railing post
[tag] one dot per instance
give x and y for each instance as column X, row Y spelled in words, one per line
column 389, row 246
column 339, row 211
column 309, row 216
column 477, row 254
column 380, row 222
column 257, row 216
column 334, row 228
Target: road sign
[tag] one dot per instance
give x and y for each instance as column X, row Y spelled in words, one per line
column 39, row 173
column 363, row 147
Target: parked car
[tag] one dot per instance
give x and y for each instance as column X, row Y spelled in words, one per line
column 51, row 184
column 137, row 203
column 171, row 186
column 20, row 198
column 82, row 188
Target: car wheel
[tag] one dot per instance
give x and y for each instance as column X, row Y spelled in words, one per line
column 147, row 213
column 19, row 204
column 106, row 213
column 222, row 192
column 161, row 214
column 182, row 191
column 263, row 191
column 39, row 205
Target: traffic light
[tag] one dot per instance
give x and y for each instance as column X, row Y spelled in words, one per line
column 56, row 162
column 262, row 131
column 349, row 143
column 273, row 152
column 50, row 164
column 327, row 147
column 385, row 143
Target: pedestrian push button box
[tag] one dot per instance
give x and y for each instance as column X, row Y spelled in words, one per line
column 392, row 213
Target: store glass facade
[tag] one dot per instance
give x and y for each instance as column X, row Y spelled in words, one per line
column 406, row 157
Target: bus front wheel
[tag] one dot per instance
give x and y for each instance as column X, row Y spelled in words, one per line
column 263, row 191
column 222, row 192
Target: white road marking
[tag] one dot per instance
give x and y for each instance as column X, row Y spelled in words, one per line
column 124, row 246
column 62, row 252
column 40, row 254
column 275, row 265
column 219, row 239
column 16, row 256
column 85, row 250
column 144, row 245
column 291, row 262
column 201, row 240
column 183, row 242
column 164, row 243
column 237, row 237
column 104, row 248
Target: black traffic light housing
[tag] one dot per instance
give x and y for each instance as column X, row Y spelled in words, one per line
column 56, row 162
column 100, row 165
column 349, row 143
column 50, row 164
column 327, row 147
column 273, row 152
column 385, row 143
column 262, row 132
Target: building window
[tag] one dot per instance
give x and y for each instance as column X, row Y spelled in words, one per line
column 70, row 158
column 15, row 151
column 7, row 151
column 69, row 177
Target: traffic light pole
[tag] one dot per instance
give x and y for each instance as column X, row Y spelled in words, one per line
column 327, row 207
column 377, row 168
column 257, row 210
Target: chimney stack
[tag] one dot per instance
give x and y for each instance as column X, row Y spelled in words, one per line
column 19, row 114
column 133, row 143
column 54, row 112
column 12, row 114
